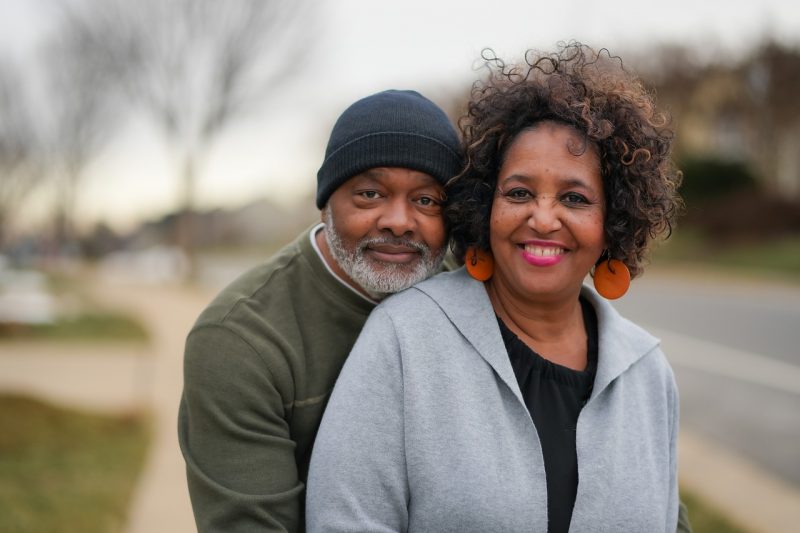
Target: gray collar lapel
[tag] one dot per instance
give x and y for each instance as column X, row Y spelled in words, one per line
column 466, row 303
column 620, row 342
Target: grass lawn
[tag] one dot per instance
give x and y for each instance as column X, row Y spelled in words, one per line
column 104, row 326
column 66, row 471
column 706, row 519
column 77, row 316
column 85, row 326
column 772, row 258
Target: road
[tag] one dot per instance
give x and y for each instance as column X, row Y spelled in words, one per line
column 735, row 348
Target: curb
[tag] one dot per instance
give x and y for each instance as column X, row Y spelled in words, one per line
column 746, row 493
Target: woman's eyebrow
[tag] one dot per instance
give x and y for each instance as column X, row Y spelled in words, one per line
column 565, row 182
column 577, row 182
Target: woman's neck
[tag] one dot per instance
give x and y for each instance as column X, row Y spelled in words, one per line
column 552, row 328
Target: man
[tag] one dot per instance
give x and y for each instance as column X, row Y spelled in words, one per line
column 263, row 357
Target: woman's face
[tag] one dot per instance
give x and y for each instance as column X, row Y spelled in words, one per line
column 546, row 229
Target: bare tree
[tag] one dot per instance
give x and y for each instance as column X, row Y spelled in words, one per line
column 83, row 104
column 197, row 65
column 20, row 145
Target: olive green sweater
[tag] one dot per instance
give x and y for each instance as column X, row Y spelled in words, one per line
column 259, row 365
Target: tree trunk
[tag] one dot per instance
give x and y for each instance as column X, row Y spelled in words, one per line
column 65, row 210
column 186, row 222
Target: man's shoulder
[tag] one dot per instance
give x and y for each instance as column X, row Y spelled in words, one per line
column 283, row 300
column 261, row 283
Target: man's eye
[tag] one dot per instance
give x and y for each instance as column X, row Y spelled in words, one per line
column 369, row 195
column 428, row 201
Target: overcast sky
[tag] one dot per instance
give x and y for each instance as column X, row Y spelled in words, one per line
column 362, row 46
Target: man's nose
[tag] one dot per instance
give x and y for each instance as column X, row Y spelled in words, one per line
column 397, row 216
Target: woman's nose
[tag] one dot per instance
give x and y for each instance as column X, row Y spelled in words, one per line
column 545, row 216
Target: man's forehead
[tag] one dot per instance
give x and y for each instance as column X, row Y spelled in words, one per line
column 406, row 176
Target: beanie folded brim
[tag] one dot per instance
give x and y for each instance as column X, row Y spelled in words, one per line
column 386, row 149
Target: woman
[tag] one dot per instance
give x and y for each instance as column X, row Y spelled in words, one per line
column 509, row 396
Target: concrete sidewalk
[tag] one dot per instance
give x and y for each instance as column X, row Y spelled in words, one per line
column 110, row 377
column 93, row 378
column 161, row 501
column 747, row 494
column 122, row 378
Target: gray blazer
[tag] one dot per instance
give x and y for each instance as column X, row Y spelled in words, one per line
column 426, row 429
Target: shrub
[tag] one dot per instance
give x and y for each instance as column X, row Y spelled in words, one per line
column 707, row 179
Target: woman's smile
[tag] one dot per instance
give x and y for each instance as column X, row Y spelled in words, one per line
column 541, row 254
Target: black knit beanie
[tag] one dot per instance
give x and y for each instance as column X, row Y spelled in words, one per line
column 389, row 129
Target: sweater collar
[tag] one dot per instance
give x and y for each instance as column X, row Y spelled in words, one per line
column 325, row 279
column 312, row 238
column 620, row 342
column 466, row 304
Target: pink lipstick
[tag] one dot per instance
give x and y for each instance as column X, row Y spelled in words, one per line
column 542, row 254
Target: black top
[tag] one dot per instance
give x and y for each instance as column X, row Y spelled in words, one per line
column 554, row 396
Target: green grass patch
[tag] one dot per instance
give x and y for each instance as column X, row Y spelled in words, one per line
column 781, row 256
column 66, row 471
column 105, row 326
column 705, row 518
column 769, row 258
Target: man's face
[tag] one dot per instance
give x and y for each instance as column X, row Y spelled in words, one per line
column 385, row 230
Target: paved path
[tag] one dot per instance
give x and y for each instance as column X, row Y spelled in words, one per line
column 105, row 378
column 120, row 378
column 161, row 501
column 95, row 379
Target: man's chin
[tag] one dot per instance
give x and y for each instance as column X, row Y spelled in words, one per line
column 394, row 267
column 388, row 278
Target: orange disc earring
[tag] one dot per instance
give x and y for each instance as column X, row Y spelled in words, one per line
column 612, row 279
column 479, row 264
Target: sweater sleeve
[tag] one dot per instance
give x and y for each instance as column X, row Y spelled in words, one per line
column 357, row 478
column 678, row 518
column 240, row 463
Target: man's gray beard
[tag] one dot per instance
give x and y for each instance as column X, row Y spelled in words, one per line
column 391, row 277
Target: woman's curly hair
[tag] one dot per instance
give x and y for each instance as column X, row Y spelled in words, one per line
column 592, row 93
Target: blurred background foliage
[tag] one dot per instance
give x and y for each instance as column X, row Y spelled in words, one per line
column 192, row 68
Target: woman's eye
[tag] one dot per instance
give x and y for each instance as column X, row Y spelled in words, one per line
column 518, row 193
column 574, row 198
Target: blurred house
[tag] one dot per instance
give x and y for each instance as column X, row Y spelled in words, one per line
column 224, row 243
column 25, row 298
column 746, row 112
column 261, row 223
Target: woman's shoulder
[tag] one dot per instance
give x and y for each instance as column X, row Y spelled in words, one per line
column 443, row 288
column 612, row 323
column 446, row 298
column 626, row 341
